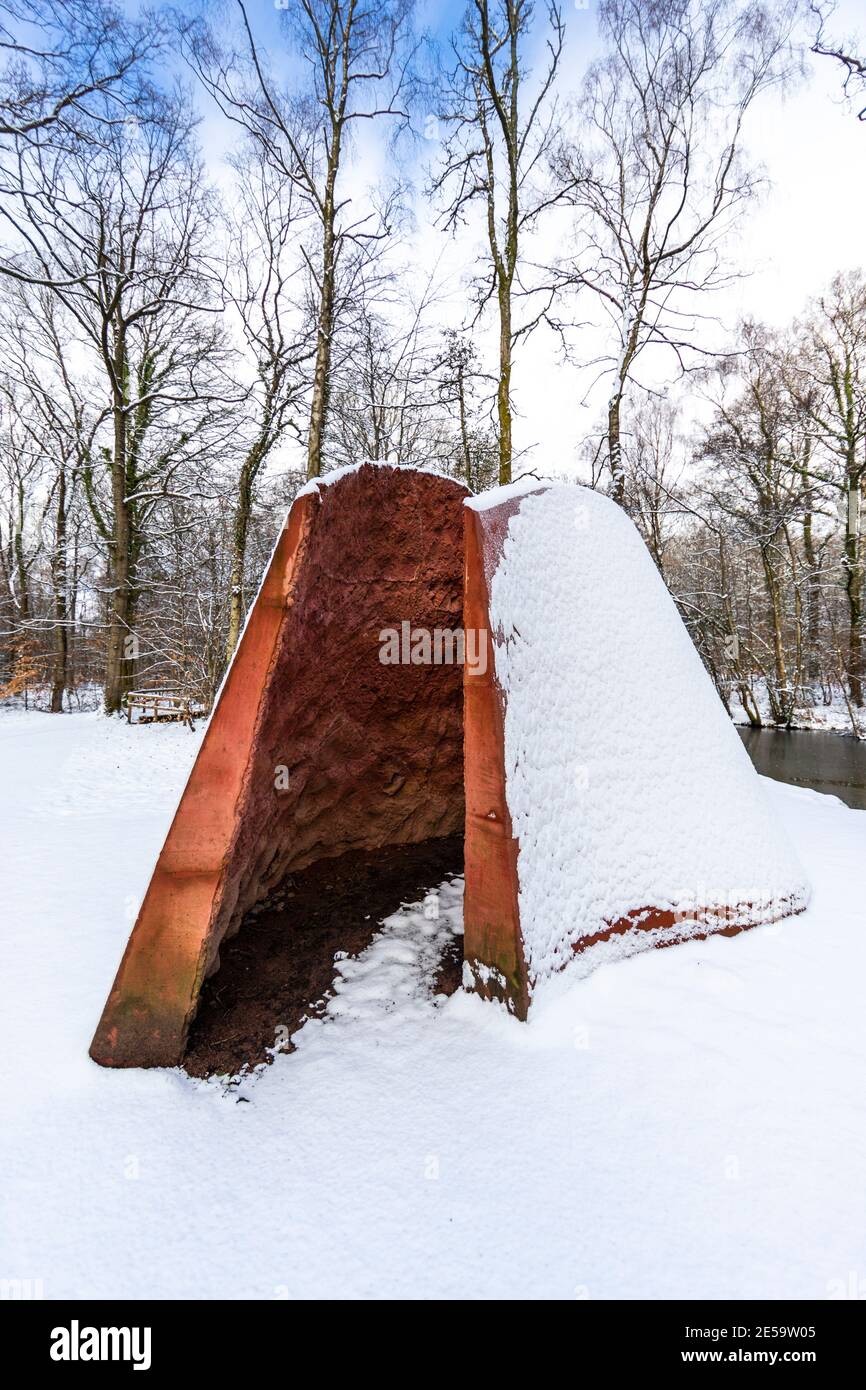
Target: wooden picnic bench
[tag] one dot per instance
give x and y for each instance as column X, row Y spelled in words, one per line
column 164, row 706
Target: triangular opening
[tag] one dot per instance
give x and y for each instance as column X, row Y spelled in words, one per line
column 279, row 968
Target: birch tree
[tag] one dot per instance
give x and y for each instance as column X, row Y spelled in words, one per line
column 501, row 122
column 657, row 172
column 355, row 58
column 263, row 284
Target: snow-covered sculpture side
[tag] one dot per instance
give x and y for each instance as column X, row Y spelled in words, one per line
column 610, row 805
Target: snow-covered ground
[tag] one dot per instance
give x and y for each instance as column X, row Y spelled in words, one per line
column 688, row 1123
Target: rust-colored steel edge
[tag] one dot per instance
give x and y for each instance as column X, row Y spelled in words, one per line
column 154, row 996
column 494, row 960
column 670, row 928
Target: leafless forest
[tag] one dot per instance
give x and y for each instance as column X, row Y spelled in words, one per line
column 185, row 339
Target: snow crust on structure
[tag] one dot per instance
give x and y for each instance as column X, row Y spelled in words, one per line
column 486, row 501
column 335, row 474
column 627, row 784
column 313, row 485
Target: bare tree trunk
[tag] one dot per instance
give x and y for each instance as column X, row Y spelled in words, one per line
column 854, row 593
column 464, row 425
column 494, row 144
column 120, row 656
column 20, row 561
column 854, row 589
column 614, row 408
column 59, row 677
column 327, row 292
column 243, row 514
column 812, row 577
column 752, row 712
column 503, row 390
column 614, row 449
column 780, row 696
column 324, row 335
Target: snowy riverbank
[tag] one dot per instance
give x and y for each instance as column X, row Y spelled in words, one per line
column 819, row 718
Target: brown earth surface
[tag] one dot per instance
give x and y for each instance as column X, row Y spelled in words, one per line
column 279, row 968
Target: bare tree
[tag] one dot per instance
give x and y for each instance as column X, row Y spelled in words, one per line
column 356, row 58
column 35, row 362
column 383, row 402
column 60, row 55
column 657, row 172
column 119, row 232
column 22, row 458
column 653, row 466
column 461, row 387
column 501, row 124
column 400, row 387
column 756, row 445
column 847, row 52
column 830, row 381
column 386, row 401
column 264, row 268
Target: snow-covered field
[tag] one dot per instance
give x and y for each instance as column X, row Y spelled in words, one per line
column 688, row 1123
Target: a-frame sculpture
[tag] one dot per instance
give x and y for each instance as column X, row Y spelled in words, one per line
column 609, row 804
column 315, row 746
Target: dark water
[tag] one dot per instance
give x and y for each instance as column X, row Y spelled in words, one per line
column 830, row 763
